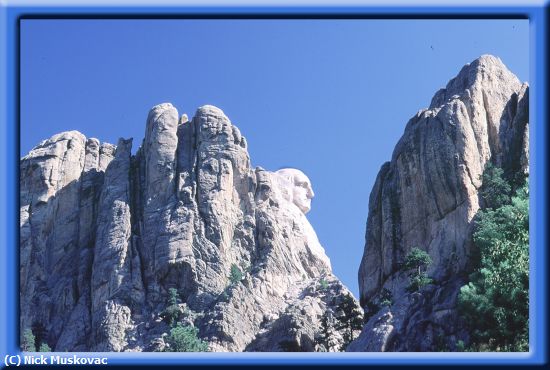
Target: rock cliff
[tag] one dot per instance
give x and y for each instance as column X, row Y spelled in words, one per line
column 427, row 196
column 105, row 236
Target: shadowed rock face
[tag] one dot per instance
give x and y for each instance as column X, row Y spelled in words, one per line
column 105, row 234
column 427, row 196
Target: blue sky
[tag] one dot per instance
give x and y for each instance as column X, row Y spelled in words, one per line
column 330, row 97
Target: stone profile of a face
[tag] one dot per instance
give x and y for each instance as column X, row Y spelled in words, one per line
column 301, row 192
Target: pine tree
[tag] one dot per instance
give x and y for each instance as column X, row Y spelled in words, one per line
column 326, row 334
column 495, row 190
column 385, row 298
column 417, row 261
column 44, row 348
column 173, row 312
column 351, row 320
column 184, row 338
column 235, row 274
column 495, row 303
column 28, row 342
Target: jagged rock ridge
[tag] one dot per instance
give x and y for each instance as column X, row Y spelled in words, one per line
column 427, row 196
column 105, row 234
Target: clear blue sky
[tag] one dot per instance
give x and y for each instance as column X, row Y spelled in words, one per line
column 330, row 97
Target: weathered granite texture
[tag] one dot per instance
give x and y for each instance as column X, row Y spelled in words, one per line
column 427, row 196
column 105, row 234
column 299, row 326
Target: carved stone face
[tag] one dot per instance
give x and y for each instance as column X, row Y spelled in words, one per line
column 302, row 191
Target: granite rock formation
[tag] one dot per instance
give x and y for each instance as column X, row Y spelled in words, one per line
column 106, row 234
column 427, row 196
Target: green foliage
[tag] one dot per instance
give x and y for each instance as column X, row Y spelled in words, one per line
column 224, row 296
column 325, row 338
column 386, row 298
column 351, row 320
column 496, row 301
column 184, row 338
column 495, row 190
column 460, row 346
column 28, row 342
column 417, row 282
column 173, row 296
column 44, row 348
column 235, row 274
column 417, row 261
column 325, row 330
column 173, row 312
column 323, row 283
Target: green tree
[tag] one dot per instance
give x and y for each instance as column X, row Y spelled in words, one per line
column 351, row 319
column 235, row 274
column 184, row 338
column 44, row 348
column 495, row 190
column 496, row 301
column 173, row 312
column 383, row 298
column 417, row 261
column 173, row 298
column 28, row 342
column 418, row 281
column 326, row 335
column 323, row 283
column 386, row 297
